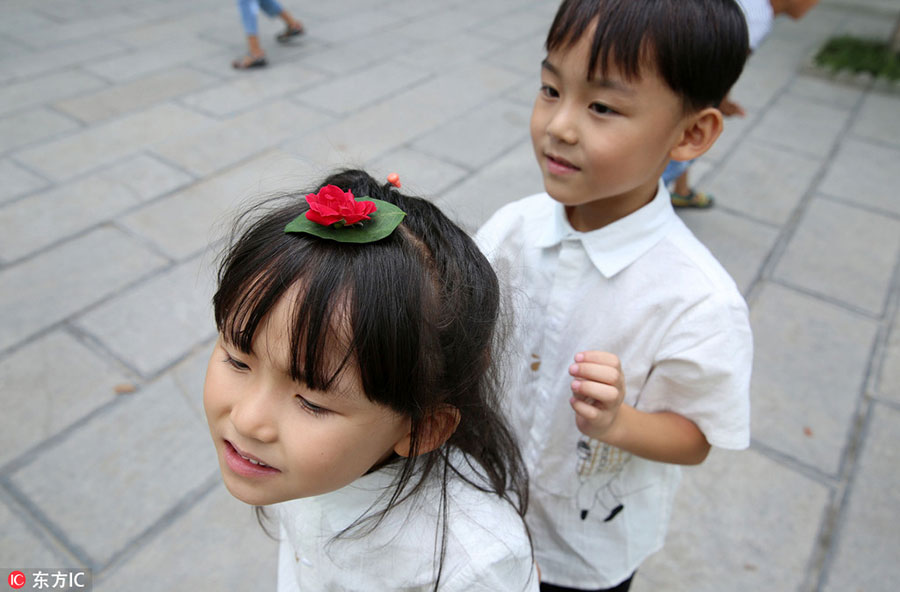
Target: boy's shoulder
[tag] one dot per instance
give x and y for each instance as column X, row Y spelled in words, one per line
column 517, row 219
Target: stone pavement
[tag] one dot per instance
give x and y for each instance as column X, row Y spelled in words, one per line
column 126, row 139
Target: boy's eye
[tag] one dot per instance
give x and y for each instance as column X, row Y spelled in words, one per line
column 601, row 109
column 549, row 91
column 236, row 364
column 311, row 407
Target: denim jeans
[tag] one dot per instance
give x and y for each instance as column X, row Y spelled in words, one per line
column 250, row 9
column 674, row 170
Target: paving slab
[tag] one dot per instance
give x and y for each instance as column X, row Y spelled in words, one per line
column 741, row 522
column 55, row 284
column 740, row 245
column 121, row 323
column 243, row 136
column 17, row 180
column 21, row 544
column 43, row 402
column 889, row 379
column 190, row 220
column 135, row 95
column 512, row 176
column 148, row 451
column 370, row 132
column 763, row 181
column 112, row 141
column 46, row 89
column 253, row 89
column 128, row 65
column 479, row 136
column 57, row 58
column 826, row 92
column 27, row 127
column 864, row 173
column 806, row 126
column 190, row 374
column 421, row 174
column 244, row 557
column 831, row 253
column 51, row 216
column 868, row 538
column 809, row 369
column 871, row 122
column 343, row 94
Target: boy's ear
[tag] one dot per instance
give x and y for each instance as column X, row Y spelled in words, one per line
column 436, row 428
column 702, row 130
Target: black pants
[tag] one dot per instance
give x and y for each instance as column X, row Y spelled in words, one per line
column 623, row 587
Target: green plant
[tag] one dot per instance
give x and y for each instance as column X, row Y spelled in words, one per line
column 860, row 55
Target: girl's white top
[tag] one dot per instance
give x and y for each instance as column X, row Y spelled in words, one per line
column 487, row 548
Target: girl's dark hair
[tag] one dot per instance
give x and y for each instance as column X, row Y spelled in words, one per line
column 698, row 46
column 422, row 308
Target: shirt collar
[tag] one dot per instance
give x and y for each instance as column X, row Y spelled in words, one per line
column 615, row 246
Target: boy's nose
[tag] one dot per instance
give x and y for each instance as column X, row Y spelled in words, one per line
column 561, row 126
column 253, row 418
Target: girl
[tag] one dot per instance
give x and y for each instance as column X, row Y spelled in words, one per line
column 352, row 384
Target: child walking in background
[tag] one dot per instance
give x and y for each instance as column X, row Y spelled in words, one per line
column 352, row 385
column 760, row 15
column 249, row 9
column 635, row 344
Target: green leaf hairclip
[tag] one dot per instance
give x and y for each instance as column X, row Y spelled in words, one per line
column 334, row 214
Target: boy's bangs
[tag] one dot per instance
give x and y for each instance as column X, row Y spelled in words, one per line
column 619, row 40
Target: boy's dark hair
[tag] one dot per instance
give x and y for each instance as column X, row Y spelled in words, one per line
column 421, row 306
column 698, row 46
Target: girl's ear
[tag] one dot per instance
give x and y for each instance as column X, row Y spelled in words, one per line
column 702, row 131
column 436, row 428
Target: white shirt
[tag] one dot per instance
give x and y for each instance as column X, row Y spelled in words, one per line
column 645, row 289
column 759, row 15
column 487, row 545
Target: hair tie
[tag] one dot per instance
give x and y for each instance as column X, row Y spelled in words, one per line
column 394, row 179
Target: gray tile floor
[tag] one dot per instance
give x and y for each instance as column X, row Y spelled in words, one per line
column 126, row 139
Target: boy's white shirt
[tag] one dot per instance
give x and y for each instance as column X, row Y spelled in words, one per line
column 645, row 289
column 487, row 545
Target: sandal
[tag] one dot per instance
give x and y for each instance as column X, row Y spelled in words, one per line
column 694, row 199
column 248, row 62
column 289, row 33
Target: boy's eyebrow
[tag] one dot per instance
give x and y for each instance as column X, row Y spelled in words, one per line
column 595, row 82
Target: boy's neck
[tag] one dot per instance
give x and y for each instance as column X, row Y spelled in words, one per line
column 594, row 215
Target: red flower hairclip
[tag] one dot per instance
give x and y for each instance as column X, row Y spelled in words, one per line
column 337, row 215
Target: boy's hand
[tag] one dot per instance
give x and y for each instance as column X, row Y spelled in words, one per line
column 599, row 389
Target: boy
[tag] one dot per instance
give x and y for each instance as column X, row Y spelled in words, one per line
column 603, row 270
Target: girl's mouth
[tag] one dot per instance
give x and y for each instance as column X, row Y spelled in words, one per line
column 559, row 166
column 246, row 465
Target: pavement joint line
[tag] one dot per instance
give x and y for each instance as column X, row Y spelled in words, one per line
column 835, row 518
column 789, row 226
column 842, row 304
column 97, row 345
column 882, row 338
column 793, row 464
column 824, row 194
column 139, row 541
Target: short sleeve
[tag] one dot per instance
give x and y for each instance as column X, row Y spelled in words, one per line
column 703, row 369
column 511, row 572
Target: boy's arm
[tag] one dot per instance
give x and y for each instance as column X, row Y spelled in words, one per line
column 599, row 392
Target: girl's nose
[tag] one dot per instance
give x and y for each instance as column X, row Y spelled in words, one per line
column 254, row 418
column 562, row 125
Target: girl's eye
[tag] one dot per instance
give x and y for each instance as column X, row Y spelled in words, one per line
column 236, row 364
column 311, row 407
column 549, row 92
column 601, row 109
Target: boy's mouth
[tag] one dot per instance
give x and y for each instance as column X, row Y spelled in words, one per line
column 558, row 165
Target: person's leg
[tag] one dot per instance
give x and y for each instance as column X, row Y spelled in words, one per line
column 249, row 10
column 682, row 184
column 274, row 9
